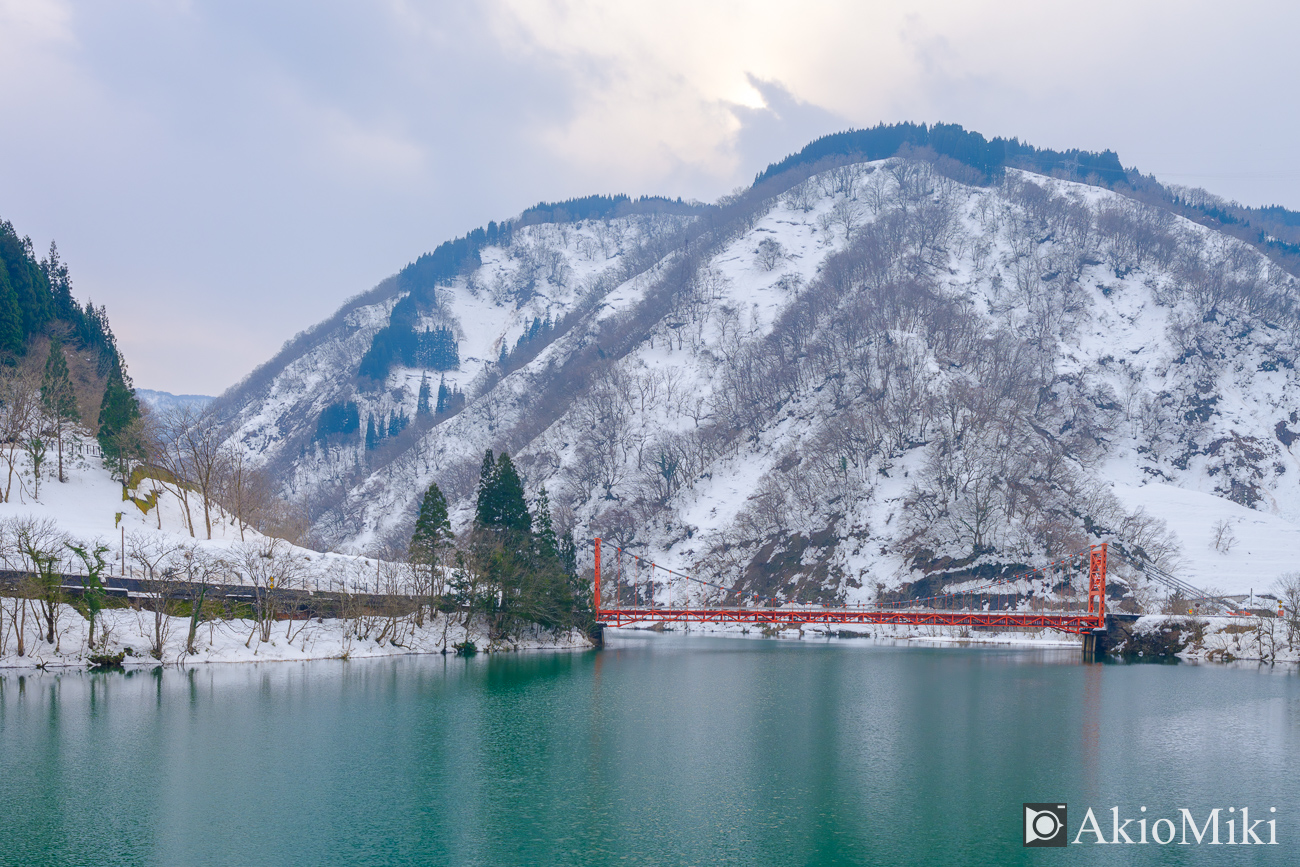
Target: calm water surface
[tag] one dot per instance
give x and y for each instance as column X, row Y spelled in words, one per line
column 657, row 750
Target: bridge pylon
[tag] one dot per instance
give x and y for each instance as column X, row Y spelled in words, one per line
column 1092, row 645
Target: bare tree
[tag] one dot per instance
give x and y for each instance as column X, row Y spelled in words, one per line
column 246, row 491
column 20, row 416
column 200, row 567
column 770, row 253
column 154, row 554
column 40, row 543
column 1222, row 537
column 271, row 566
column 168, row 460
column 188, row 445
column 202, row 444
column 1288, row 591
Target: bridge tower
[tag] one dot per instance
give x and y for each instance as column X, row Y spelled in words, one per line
column 1092, row 645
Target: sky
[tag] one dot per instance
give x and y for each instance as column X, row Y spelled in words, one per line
column 225, row 174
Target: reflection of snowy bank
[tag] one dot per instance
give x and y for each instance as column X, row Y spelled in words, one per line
column 1151, row 637
column 887, row 631
column 137, row 633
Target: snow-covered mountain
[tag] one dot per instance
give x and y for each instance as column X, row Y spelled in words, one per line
column 165, row 401
column 850, row 376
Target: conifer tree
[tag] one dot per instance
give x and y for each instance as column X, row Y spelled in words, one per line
column 11, row 317
column 432, row 533
column 443, row 396
column 501, row 502
column 422, row 404
column 487, row 480
column 371, row 439
column 59, row 399
column 118, row 413
column 548, row 544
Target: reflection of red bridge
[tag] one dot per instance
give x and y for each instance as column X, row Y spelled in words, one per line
column 633, row 600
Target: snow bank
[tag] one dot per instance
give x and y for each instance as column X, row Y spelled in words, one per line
column 133, row 632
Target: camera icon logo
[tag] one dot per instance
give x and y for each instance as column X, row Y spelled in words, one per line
column 1044, row 825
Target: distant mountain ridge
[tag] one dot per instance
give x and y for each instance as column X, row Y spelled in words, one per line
column 165, row 401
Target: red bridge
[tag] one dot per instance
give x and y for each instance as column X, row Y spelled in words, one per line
column 632, row 598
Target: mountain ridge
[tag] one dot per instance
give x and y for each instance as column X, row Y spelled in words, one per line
column 702, row 388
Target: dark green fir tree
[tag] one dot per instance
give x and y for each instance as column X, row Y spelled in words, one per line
column 58, row 398
column 501, row 504
column 118, row 414
column 11, row 317
column 548, row 544
column 422, row 407
column 372, row 438
column 443, row 396
column 432, row 534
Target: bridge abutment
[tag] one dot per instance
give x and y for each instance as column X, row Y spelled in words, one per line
column 1095, row 645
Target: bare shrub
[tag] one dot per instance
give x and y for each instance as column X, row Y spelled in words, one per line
column 1222, row 537
column 770, row 254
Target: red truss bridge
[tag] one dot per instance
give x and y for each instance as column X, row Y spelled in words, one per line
column 634, row 593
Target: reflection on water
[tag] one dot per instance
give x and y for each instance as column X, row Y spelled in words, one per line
column 657, row 750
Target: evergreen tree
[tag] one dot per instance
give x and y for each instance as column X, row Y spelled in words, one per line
column 548, row 544
column 59, row 399
column 443, row 396
column 501, row 504
column 371, row 439
column 11, row 317
column 512, row 509
column 487, row 481
column 522, row 572
column 432, row 530
column 422, row 404
column 118, row 412
column 60, row 283
column 569, row 556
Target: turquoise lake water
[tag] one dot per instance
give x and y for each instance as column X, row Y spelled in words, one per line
column 660, row 749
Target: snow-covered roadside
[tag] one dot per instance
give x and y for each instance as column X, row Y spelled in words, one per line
column 133, row 632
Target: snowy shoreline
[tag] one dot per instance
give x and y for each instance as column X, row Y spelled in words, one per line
column 1218, row 640
column 137, row 635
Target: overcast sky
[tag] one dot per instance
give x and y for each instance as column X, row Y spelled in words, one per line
column 224, row 174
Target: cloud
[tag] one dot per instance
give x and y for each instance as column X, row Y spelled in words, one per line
column 243, row 166
column 782, row 125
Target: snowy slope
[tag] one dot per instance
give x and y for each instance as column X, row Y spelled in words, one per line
column 1262, row 546
column 729, row 408
column 91, row 507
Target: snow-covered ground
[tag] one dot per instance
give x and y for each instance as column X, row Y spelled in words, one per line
column 134, row 633
column 90, row 508
column 1263, row 548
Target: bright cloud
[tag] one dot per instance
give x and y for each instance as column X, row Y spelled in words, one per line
column 239, row 168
